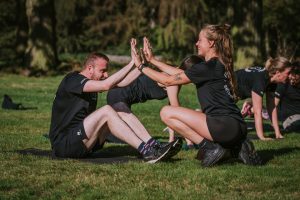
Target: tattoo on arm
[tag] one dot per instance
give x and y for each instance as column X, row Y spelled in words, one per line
column 177, row 77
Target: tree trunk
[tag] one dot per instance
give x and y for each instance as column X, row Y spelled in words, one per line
column 22, row 31
column 41, row 48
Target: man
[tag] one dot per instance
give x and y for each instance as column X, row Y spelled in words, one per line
column 77, row 128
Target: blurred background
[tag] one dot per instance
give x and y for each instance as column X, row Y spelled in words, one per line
column 44, row 37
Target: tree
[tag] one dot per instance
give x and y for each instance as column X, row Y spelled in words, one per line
column 41, row 52
column 282, row 27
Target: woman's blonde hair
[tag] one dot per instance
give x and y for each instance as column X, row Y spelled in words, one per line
column 277, row 64
column 220, row 34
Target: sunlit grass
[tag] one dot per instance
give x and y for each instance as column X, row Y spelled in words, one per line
column 40, row 177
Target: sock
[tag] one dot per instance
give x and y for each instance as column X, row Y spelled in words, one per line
column 141, row 147
column 151, row 142
column 202, row 143
column 144, row 147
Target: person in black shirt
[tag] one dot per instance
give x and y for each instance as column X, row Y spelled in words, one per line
column 78, row 128
column 287, row 100
column 220, row 123
column 141, row 90
column 254, row 82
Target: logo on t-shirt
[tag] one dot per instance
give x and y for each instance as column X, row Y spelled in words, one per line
column 81, row 82
column 255, row 69
column 79, row 132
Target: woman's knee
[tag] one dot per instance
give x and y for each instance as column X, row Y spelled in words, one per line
column 165, row 113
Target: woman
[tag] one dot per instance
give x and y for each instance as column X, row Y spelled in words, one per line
column 287, row 97
column 254, row 82
column 220, row 123
column 141, row 90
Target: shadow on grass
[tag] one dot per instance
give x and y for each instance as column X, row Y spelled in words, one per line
column 269, row 154
column 251, row 126
column 107, row 155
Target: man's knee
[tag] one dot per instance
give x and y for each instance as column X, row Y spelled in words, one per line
column 121, row 107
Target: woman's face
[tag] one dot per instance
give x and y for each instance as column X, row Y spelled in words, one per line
column 281, row 77
column 203, row 44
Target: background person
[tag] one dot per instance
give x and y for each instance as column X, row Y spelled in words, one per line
column 287, row 100
column 254, row 82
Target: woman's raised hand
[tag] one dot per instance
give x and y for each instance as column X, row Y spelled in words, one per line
column 147, row 50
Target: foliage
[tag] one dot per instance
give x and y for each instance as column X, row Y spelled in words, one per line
column 259, row 28
column 282, row 27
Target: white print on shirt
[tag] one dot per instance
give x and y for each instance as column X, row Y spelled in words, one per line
column 81, row 82
column 227, row 90
column 255, row 69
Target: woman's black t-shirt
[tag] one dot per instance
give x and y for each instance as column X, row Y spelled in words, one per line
column 289, row 100
column 254, row 79
column 213, row 89
column 140, row 90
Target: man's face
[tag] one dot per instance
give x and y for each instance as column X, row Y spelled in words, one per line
column 99, row 70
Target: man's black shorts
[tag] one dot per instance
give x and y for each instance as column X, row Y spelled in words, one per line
column 71, row 145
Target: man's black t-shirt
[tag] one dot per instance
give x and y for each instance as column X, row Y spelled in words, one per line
column 71, row 105
column 289, row 100
column 140, row 90
column 254, row 79
column 213, row 90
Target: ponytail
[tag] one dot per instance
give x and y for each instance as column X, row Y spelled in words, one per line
column 220, row 34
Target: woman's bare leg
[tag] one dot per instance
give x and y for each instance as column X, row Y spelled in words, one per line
column 189, row 123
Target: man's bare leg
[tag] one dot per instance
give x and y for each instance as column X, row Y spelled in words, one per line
column 132, row 121
column 106, row 116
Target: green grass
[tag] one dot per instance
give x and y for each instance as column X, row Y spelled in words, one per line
column 39, row 177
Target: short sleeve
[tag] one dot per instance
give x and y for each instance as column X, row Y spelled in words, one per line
column 259, row 85
column 280, row 90
column 75, row 83
column 199, row 73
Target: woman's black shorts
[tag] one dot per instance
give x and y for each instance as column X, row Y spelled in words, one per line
column 226, row 130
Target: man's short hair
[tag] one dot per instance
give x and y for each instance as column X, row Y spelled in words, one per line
column 90, row 59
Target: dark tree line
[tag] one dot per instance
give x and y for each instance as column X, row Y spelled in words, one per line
column 35, row 33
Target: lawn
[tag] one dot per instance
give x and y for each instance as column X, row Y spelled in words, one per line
column 28, row 172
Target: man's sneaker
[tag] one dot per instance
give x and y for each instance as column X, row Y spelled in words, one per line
column 156, row 153
column 248, row 155
column 175, row 148
column 210, row 153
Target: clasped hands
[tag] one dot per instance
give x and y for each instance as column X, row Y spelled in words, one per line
column 144, row 55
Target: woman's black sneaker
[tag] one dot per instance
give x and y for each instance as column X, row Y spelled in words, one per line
column 248, row 155
column 210, row 153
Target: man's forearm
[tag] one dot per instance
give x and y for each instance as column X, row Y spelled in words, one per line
column 118, row 76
